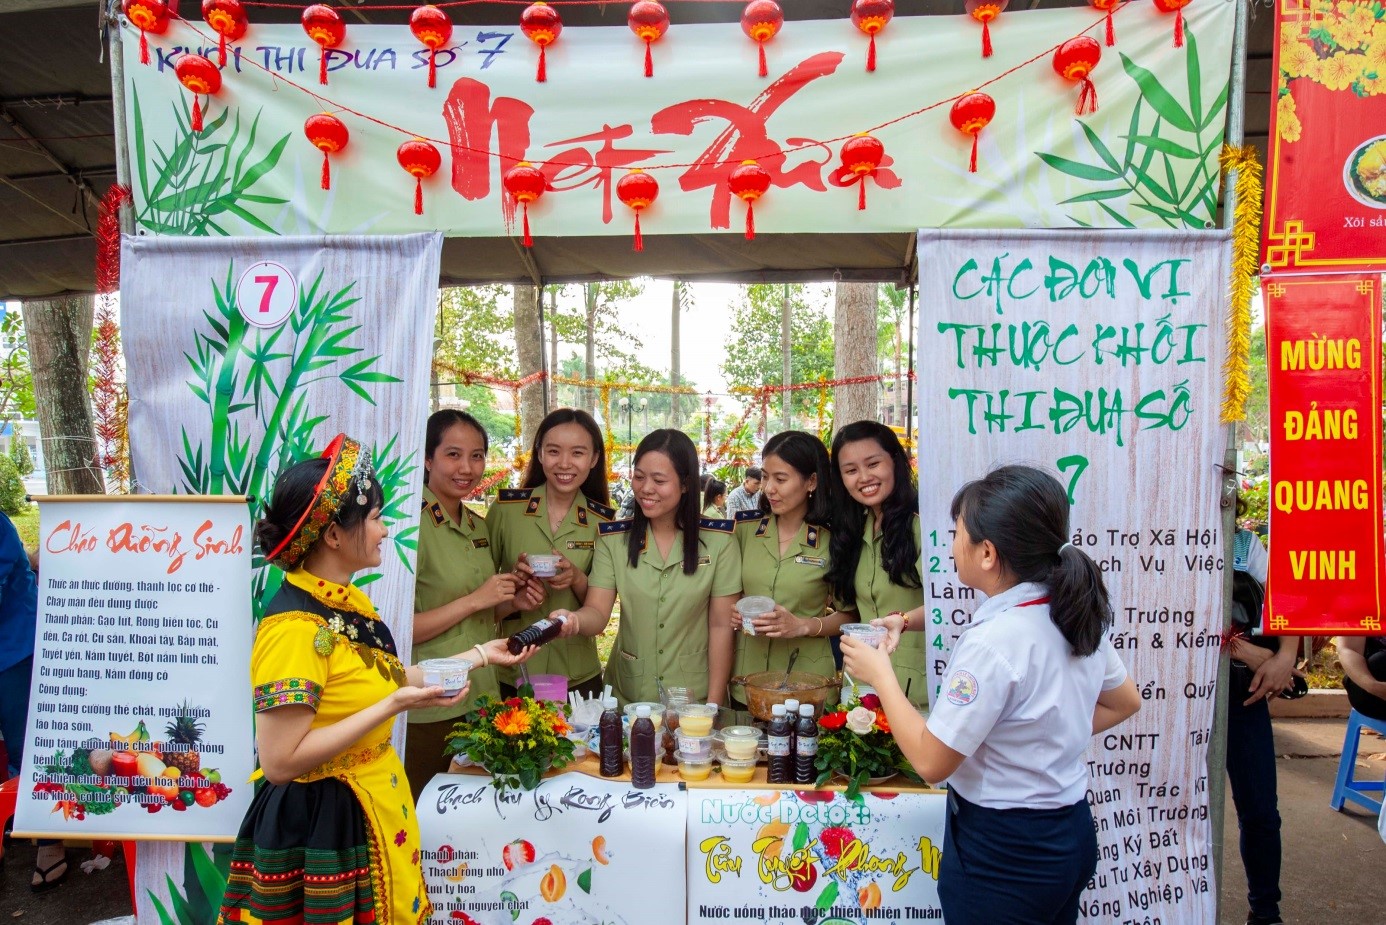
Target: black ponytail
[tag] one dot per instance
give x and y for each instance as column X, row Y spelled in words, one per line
column 1024, row 512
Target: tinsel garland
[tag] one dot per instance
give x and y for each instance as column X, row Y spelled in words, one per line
column 1246, row 239
column 108, row 392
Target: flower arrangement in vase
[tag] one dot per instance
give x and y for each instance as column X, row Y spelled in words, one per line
column 855, row 741
column 516, row 740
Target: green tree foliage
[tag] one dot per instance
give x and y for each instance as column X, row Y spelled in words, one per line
column 16, row 378
column 12, row 495
column 475, row 330
column 19, row 453
column 753, row 356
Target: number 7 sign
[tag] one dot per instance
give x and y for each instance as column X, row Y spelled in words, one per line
column 266, row 294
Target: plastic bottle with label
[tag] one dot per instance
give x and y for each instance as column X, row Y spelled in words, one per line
column 612, row 740
column 791, row 709
column 536, row 634
column 781, row 764
column 642, row 750
column 805, row 746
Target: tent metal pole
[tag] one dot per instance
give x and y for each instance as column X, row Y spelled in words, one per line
column 909, row 422
column 1217, row 746
column 122, row 146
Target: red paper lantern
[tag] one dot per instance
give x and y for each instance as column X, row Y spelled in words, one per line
column 861, row 155
column 329, row 135
column 649, row 20
column 1107, row 6
column 762, row 21
column 201, row 77
column 432, row 27
column 1074, row 60
column 970, row 114
column 637, row 190
column 1177, row 8
column 147, row 16
column 749, row 182
column 984, row 11
column 421, row 160
column 324, row 25
column 541, row 24
column 228, row 20
column 871, row 16
column 526, row 183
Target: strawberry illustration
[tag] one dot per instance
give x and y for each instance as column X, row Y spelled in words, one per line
column 541, row 921
column 464, row 918
column 517, row 854
column 834, row 840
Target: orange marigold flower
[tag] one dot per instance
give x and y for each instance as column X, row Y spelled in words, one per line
column 881, row 722
column 513, row 722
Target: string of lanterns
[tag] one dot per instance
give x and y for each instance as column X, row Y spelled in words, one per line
column 761, row 20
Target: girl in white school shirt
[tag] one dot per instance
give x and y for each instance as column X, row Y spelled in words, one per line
column 1029, row 682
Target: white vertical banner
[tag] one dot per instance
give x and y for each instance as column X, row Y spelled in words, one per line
column 1098, row 357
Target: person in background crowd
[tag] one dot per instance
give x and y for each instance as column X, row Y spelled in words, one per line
column 784, row 556
column 715, row 499
column 18, row 621
column 1257, row 674
column 873, row 558
column 677, row 576
column 744, row 496
column 458, row 596
column 1364, row 673
column 331, row 837
column 1029, row 683
column 557, row 512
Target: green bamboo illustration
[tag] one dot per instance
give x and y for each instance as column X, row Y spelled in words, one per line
column 1176, row 132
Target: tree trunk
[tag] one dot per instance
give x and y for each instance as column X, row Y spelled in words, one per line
column 589, row 396
column 529, row 350
column 854, row 345
column 553, row 347
column 675, row 356
column 59, row 333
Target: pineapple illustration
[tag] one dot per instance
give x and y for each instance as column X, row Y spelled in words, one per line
column 184, row 733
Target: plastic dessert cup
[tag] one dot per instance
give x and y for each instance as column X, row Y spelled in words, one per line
column 873, row 636
column 740, row 742
column 698, row 748
column 694, row 769
column 752, row 607
column 448, row 673
column 543, row 566
column 656, row 714
column 738, row 770
column 695, row 719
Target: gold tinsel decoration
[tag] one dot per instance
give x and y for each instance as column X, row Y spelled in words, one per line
column 1246, row 247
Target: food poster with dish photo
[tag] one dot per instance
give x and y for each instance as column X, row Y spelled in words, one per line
column 785, row 857
column 1326, row 170
column 576, row 850
column 139, row 721
column 1098, row 357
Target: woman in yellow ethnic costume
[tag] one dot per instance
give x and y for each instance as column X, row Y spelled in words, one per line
column 331, row 837
column 875, row 543
column 557, row 511
column 784, row 556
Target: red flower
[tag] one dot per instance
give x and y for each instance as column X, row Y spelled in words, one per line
column 833, row 720
column 871, row 702
column 400, row 838
column 513, row 702
column 835, row 839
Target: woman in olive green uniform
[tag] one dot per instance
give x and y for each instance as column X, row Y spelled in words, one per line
column 456, row 589
column 677, row 576
column 875, row 541
column 558, row 510
column 784, row 556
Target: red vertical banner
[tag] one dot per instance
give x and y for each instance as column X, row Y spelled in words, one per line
column 1323, row 360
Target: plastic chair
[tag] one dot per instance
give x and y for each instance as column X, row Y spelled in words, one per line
column 1348, row 787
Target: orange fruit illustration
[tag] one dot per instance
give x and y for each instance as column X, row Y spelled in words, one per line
column 869, row 896
column 553, row 884
column 599, row 850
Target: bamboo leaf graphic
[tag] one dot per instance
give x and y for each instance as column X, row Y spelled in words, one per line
column 1100, row 147
column 1165, row 146
column 1216, row 109
column 1121, row 220
column 1096, row 195
column 245, row 216
column 1194, row 75
column 1157, row 96
column 1081, row 171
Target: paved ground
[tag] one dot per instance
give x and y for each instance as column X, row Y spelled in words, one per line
column 1334, row 863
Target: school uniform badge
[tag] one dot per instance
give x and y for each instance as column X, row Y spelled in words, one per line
column 962, row 688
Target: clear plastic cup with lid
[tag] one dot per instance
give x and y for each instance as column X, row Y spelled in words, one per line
column 738, row 770
column 696, row 748
column 448, row 673
column 543, row 565
column 873, row 636
column 752, row 607
column 695, row 719
column 694, row 769
column 741, row 742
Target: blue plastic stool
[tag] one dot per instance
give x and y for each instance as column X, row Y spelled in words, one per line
column 1347, row 787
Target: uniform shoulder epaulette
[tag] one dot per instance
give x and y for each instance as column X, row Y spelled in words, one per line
column 434, row 510
column 615, row 526
column 747, row 516
column 716, row 526
column 601, row 510
column 507, row 495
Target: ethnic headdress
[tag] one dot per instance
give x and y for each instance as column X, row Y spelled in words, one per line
column 349, row 470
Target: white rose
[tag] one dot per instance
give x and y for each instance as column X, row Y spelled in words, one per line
column 861, row 720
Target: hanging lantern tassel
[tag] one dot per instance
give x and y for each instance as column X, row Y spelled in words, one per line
column 871, row 16
column 541, row 24
column 761, row 21
column 637, row 190
column 147, row 16
column 420, row 160
column 526, row 183
column 749, row 182
column 329, row 135
column 984, row 11
column 1075, row 60
column 1177, row 8
column 970, row 114
column 228, row 20
column 325, row 27
column 861, row 155
column 649, row 20
column 432, row 27
column 201, row 77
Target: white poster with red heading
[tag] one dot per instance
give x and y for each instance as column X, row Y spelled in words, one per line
column 139, row 713
column 1098, row 356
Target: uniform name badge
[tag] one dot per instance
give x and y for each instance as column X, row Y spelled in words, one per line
column 705, row 560
column 816, row 561
column 581, row 544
